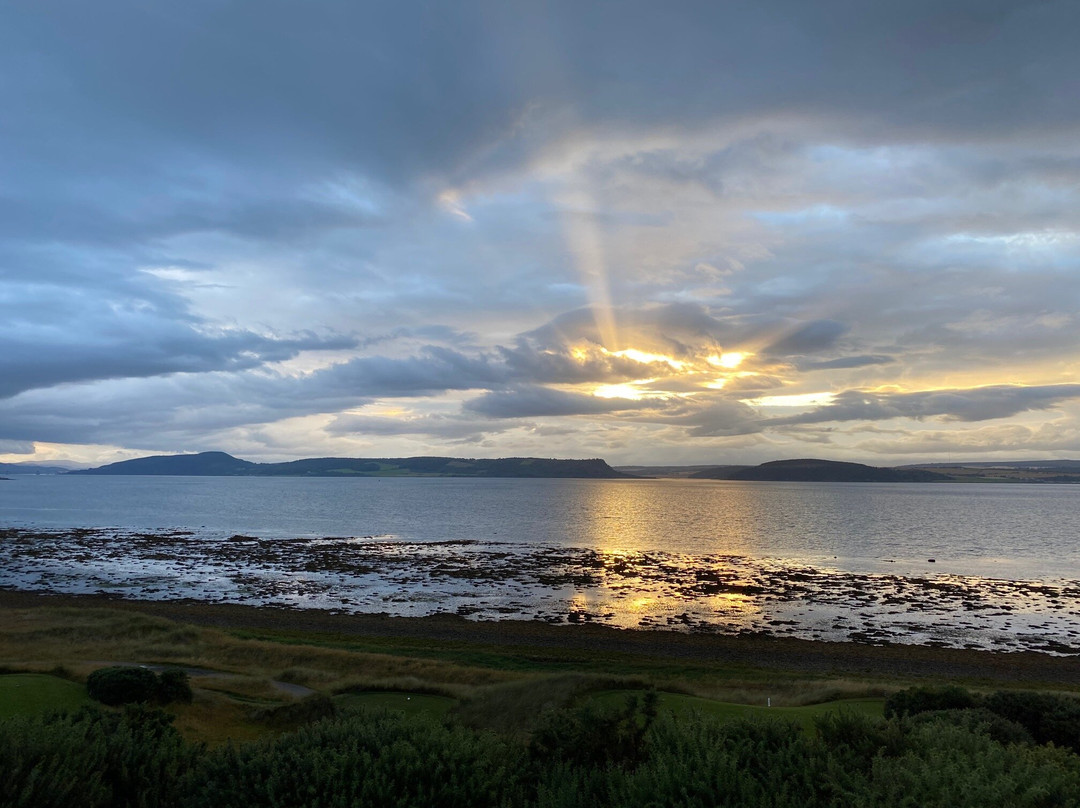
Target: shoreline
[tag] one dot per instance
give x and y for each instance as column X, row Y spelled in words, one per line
column 768, row 653
column 495, row 580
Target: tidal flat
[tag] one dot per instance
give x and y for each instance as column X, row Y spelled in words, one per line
column 725, row 594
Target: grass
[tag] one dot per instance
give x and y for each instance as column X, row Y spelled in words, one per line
column 471, row 670
column 29, row 693
column 87, row 638
column 402, row 702
column 682, row 705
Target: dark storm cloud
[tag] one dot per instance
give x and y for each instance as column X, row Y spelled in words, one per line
column 137, row 96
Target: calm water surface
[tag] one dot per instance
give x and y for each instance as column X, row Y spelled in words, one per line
column 811, row 559
column 1011, row 530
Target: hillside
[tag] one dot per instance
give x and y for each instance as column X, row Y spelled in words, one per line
column 825, row 471
column 206, row 464
column 30, row 468
column 220, row 464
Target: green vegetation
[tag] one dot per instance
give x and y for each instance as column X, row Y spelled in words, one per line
column 805, row 716
column 628, row 754
column 404, row 702
column 469, row 723
column 31, row 693
column 1042, row 717
column 128, row 684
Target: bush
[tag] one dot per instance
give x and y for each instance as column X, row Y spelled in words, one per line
column 122, row 685
column 591, row 737
column 94, row 759
column 981, row 721
column 1049, row 718
column 374, row 759
column 135, row 685
column 917, row 700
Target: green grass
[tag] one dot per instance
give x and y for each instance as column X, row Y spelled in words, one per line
column 518, row 659
column 29, row 693
column 681, row 705
column 396, row 701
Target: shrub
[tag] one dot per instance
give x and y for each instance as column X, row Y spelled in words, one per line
column 94, row 759
column 591, row 737
column 136, row 685
column 365, row 759
column 981, row 721
column 917, row 700
column 122, row 685
column 1049, row 718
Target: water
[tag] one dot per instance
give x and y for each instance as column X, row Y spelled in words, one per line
column 835, row 561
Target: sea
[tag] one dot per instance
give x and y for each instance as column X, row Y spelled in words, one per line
column 992, row 566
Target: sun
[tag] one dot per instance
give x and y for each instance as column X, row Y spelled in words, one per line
column 730, row 361
column 621, row 390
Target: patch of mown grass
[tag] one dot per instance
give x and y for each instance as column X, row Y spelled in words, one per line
column 31, row 693
column 682, row 705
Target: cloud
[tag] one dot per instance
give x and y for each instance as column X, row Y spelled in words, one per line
column 214, row 222
column 722, row 418
column 138, row 347
column 844, row 362
column 435, row 425
column 814, row 337
column 979, row 404
column 535, row 402
column 1016, row 439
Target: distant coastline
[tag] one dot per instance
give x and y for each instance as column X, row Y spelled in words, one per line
column 221, row 464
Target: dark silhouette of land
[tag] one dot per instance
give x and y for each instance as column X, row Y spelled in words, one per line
column 220, row 464
column 31, row 468
column 811, row 470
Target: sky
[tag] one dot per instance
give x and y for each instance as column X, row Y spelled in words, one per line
column 666, row 233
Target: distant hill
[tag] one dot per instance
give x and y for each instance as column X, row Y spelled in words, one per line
column 1003, row 471
column 1060, row 465
column 824, row 471
column 31, row 468
column 220, row 464
column 206, row 464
